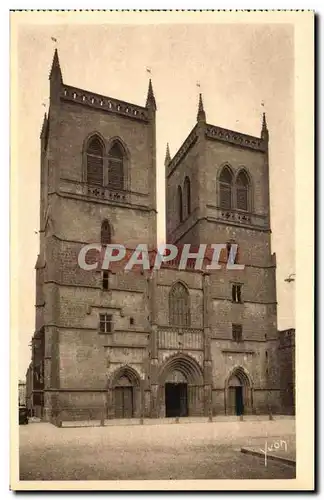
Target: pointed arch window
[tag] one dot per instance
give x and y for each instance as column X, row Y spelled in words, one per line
column 242, row 191
column 105, row 233
column 179, row 305
column 116, row 160
column 225, row 189
column 179, row 203
column 95, row 153
column 187, row 197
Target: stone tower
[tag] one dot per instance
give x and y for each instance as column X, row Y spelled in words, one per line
column 217, row 191
column 98, row 178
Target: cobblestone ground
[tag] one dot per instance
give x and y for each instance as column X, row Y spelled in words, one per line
column 163, row 451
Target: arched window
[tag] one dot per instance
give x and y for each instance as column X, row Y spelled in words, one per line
column 105, row 233
column 95, row 161
column 187, row 197
column 116, row 166
column 179, row 305
column 225, row 189
column 179, row 203
column 242, row 191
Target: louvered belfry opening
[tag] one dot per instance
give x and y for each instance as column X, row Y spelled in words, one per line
column 116, row 167
column 95, row 161
column 242, row 191
column 225, row 189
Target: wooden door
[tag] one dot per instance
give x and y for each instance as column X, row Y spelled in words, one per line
column 183, row 400
column 123, row 402
column 128, row 402
column 231, row 401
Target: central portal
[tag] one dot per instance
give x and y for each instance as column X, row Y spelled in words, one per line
column 181, row 390
column 176, row 403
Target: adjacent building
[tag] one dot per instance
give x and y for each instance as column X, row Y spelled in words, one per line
column 287, row 370
column 29, row 389
column 22, row 393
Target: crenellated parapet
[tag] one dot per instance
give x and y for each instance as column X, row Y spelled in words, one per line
column 66, row 93
column 218, row 134
column 232, row 137
column 103, row 103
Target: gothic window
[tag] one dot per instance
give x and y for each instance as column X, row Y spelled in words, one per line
column 105, row 233
column 187, row 197
column 225, row 189
column 242, row 191
column 179, row 203
column 179, row 305
column 228, row 251
column 116, row 167
column 95, row 161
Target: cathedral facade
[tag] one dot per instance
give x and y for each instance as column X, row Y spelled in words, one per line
column 111, row 344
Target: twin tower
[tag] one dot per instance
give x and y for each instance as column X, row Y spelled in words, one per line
column 180, row 342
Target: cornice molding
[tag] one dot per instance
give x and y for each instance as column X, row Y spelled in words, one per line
column 236, row 138
column 103, row 103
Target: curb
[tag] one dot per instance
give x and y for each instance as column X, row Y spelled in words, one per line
column 274, row 458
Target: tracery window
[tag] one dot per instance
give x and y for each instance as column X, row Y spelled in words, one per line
column 242, row 191
column 225, row 189
column 95, row 153
column 116, row 166
column 179, row 305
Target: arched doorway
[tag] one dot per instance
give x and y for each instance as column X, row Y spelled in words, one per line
column 124, row 404
column 181, row 389
column 176, row 395
column 125, row 394
column 238, row 393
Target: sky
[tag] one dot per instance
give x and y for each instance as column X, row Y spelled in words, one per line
column 237, row 66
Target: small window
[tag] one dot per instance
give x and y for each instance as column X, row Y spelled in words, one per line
column 105, row 233
column 131, row 321
column 228, row 250
column 237, row 331
column 237, row 293
column 180, row 206
column 105, row 325
column 187, row 197
column 105, row 280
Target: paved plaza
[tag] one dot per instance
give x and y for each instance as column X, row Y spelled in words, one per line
column 197, row 450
